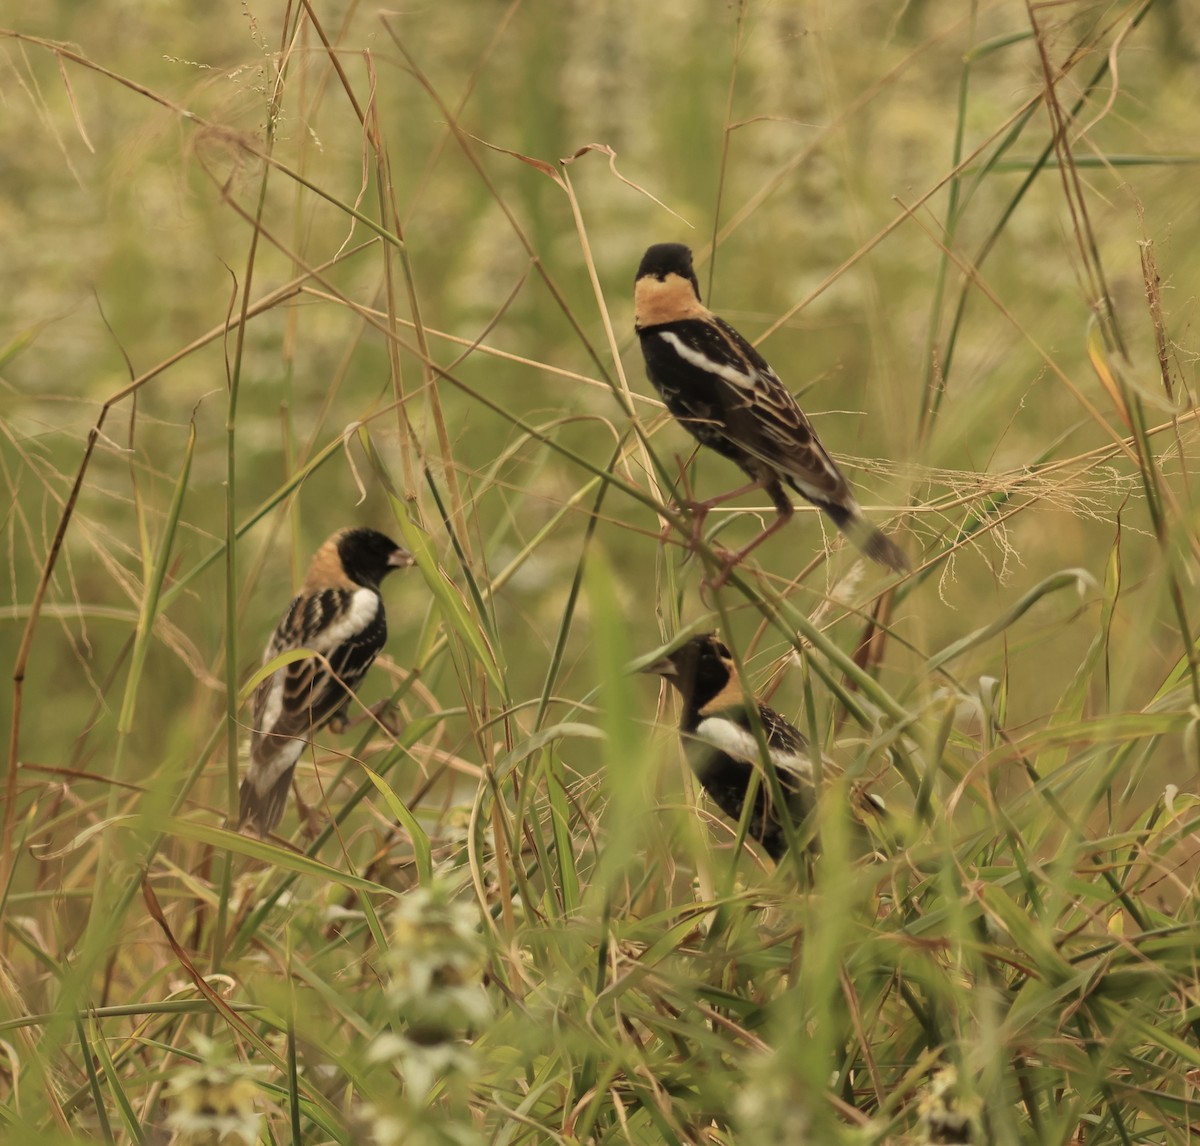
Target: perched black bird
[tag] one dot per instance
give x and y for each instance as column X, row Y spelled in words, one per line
column 339, row 614
column 724, row 393
column 723, row 751
column 721, row 746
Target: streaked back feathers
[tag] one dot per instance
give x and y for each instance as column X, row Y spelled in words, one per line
column 339, row 614
column 723, row 392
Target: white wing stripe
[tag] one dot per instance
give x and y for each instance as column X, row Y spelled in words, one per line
column 740, row 743
column 364, row 607
column 731, row 374
column 272, row 707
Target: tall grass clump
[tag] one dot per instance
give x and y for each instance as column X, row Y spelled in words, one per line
column 298, row 268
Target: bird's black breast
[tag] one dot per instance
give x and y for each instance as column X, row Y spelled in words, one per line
column 727, row 778
column 727, row 782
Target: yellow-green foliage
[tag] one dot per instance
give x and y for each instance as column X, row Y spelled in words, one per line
column 270, row 270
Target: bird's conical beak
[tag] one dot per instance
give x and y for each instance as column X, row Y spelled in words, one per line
column 400, row 558
column 664, row 666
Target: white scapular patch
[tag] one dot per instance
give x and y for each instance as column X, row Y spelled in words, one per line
column 739, row 743
column 273, row 705
column 362, row 611
column 731, row 374
column 364, row 607
column 266, row 771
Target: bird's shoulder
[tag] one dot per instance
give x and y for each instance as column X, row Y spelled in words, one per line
column 726, row 724
column 713, row 351
column 710, row 345
column 780, row 732
column 321, row 619
column 744, row 351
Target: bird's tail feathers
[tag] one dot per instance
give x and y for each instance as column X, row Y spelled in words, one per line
column 873, row 542
column 263, row 809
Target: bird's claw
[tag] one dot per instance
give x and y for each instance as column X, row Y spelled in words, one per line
column 382, row 713
column 729, row 560
column 696, row 513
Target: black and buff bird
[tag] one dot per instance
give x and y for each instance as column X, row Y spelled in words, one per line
column 339, row 615
column 723, row 750
column 726, row 395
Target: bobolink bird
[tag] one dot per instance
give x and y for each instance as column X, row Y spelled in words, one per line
column 723, row 392
column 339, row 614
column 723, row 751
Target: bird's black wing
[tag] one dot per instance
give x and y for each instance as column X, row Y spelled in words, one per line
column 696, row 396
column 708, row 373
column 313, row 691
column 350, row 661
column 726, row 761
column 772, row 427
column 781, row 734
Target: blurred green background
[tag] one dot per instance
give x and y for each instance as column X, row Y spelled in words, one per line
column 867, row 189
column 814, row 141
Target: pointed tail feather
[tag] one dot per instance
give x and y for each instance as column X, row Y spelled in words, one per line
column 873, row 542
column 263, row 810
column 879, row 547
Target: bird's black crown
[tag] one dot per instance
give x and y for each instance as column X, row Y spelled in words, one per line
column 368, row 556
column 664, row 259
column 704, row 666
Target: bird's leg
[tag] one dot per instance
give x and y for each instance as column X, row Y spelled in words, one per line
column 339, row 721
column 382, row 715
column 698, row 510
column 731, row 559
column 378, row 712
column 311, row 819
